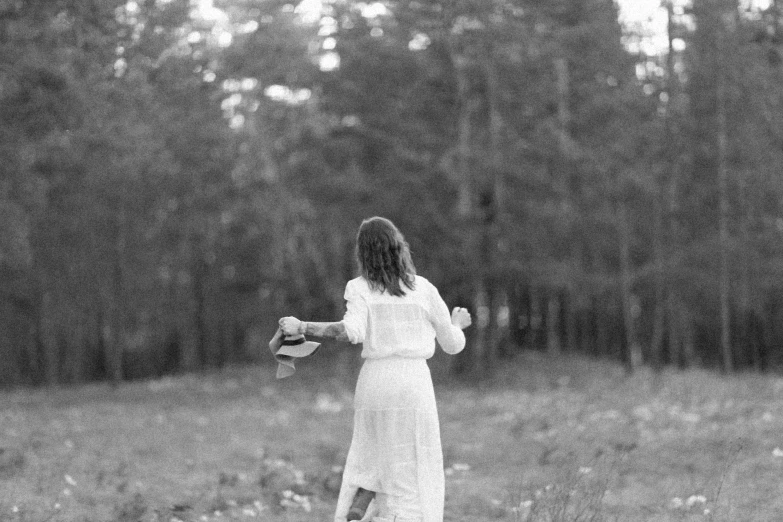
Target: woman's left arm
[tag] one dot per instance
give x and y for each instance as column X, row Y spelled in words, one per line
column 293, row 326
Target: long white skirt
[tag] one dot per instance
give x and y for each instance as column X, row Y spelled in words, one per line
column 396, row 449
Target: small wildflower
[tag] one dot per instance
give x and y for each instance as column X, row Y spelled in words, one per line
column 56, row 505
column 707, row 511
column 66, row 492
column 584, row 470
column 69, row 479
column 523, row 510
column 643, row 413
column 327, row 403
column 249, row 512
column 15, row 509
column 777, row 453
column 695, row 499
column 677, row 502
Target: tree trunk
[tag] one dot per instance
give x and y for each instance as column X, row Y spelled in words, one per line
column 517, row 309
column 674, row 309
column 665, row 227
column 563, row 119
column 601, row 328
column 688, row 341
column 633, row 356
column 114, row 295
column 483, row 314
column 9, row 351
column 494, row 266
column 659, row 304
column 724, row 282
column 674, row 332
column 185, row 301
column 464, row 129
column 745, row 313
column 553, row 345
column 202, row 319
column 466, row 212
column 534, row 318
column 48, row 339
column 586, row 341
column 572, row 323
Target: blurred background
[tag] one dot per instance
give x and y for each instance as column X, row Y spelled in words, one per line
column 586, row 176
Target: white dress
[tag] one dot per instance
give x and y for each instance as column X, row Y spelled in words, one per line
column 396, row 449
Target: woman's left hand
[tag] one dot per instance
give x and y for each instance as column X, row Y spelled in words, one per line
column 290, row 325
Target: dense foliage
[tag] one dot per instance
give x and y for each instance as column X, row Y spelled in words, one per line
column 174, row 176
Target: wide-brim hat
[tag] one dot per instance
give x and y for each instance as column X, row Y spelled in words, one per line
column 288, row 348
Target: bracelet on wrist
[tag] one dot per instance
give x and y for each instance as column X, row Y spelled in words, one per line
column 302, row 327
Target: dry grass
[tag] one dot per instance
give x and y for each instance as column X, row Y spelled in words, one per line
column 552, row 440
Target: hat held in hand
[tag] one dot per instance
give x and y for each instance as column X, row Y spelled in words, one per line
column 288, row 348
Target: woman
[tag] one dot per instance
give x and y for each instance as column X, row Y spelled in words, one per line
column 397, row 315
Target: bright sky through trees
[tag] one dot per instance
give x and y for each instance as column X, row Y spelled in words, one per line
column 644, row 20
column 647, row 20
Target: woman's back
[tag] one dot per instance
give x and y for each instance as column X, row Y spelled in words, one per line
column 399, row 326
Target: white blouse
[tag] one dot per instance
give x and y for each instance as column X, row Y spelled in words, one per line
column 402, row 326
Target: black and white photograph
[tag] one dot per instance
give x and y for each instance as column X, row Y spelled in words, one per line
column 391, row 260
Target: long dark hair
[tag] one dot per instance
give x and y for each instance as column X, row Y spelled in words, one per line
column 384, row 257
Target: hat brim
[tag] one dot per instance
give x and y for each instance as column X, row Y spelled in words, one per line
column 286, row 352
column 298, row 350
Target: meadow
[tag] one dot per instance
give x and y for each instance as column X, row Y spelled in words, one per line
column 567, row 439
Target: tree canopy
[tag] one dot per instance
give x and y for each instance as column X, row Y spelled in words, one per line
column 175, row 175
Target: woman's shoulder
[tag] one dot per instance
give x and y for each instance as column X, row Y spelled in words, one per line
column 357, row 285
column 423, row 284
column 420, row 279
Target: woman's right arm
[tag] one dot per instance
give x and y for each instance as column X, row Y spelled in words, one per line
column 351, row 329
column 293, row 326
column 333, row 330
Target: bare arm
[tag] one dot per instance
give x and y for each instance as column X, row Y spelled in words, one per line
column 333, row 330
column 293, row 326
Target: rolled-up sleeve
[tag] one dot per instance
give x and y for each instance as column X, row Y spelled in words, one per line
column 355, row 319
column 450, row 338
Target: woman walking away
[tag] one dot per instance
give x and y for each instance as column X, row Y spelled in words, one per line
column 397, row 315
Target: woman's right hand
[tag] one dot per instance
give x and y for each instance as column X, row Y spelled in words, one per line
column 460, row 317
column 290, row 325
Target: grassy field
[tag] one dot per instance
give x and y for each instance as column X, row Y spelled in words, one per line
column 551, row 440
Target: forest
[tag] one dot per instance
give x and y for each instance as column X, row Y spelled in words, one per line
column 175, row 175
